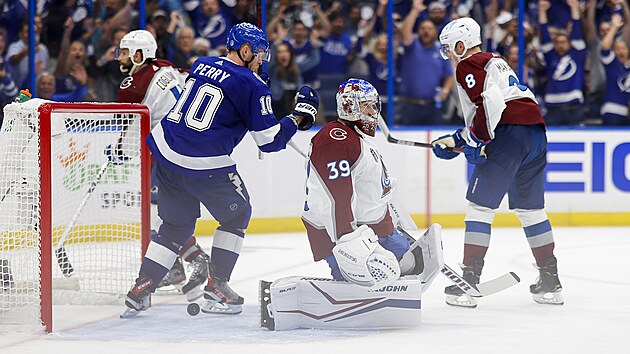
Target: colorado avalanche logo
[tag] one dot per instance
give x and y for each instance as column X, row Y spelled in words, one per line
column 338, row 134
column 386, row 183
column 126, row 83
column 566, row 69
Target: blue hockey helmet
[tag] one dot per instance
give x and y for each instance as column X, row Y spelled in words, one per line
column 247, row 33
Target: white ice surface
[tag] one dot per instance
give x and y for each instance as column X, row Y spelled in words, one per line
column 593, row 266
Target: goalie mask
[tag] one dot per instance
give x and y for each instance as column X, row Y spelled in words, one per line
column 134, row 41
column 359, row 102
column 465, row 30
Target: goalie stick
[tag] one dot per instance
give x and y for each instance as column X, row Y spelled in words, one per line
column 480, row 290
column 391, row 139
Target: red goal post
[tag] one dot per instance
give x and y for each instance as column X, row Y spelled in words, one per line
column 106, row 214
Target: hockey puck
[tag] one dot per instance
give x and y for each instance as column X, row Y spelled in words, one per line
column 193, row 309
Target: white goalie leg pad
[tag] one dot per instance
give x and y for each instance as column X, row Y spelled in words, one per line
column 433, row 256
column 363, row 261
column 430, row 243
column 303, row 302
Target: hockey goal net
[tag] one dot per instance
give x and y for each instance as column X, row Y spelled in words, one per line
column 74, row 206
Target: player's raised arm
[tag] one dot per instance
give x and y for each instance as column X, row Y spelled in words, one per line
column 249, row 47
column 271, row 134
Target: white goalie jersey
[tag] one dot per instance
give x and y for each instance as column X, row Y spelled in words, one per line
column 342, row 162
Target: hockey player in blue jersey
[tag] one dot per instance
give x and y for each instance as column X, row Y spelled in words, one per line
column 222, row 100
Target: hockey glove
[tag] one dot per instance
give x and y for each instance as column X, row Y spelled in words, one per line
column 115, row 156
column 475, row 150
column 442, row 144
column 306, row 104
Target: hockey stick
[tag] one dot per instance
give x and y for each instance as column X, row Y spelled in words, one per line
column 297, row 149
column 60, row 249
column 391, row 139
column 482, row 289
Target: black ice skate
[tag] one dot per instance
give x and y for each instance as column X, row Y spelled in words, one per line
column 547, row 289
column 456, row 296
column 174, row 279
column 138, row 298
column 218, row 297
column 198, row 276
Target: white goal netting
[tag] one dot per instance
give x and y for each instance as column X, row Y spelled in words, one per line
column 96, row 248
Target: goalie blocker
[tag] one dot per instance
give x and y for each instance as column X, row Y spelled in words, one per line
column 307, row 302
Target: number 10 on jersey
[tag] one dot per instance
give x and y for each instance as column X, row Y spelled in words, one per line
column 199, row 113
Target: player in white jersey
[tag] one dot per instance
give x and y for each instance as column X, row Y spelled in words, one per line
column 505, row 139
column 158, row 84
column 347, row 218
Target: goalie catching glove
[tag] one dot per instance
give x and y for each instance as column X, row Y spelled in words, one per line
column 363, row 261
column 306, row 104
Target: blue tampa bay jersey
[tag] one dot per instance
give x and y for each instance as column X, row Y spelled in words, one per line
column 221, row 101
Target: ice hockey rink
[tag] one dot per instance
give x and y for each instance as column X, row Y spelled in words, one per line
column 593, row 267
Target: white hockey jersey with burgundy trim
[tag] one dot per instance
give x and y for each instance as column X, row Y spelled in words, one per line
column 347, row 185
column 491, row 94
column 158, row 86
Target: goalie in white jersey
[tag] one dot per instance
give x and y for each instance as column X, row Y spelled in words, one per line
column 157, row 83
column 347, row 218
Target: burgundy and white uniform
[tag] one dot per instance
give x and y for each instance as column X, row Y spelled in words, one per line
column 490, row 95
column 341, row 163
column 158, row 86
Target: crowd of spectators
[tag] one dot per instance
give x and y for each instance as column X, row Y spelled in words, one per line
column 577, row 61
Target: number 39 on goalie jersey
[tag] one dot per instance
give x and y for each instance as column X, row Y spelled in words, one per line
column 490, row 94
column 347, row 185
column 221, row 102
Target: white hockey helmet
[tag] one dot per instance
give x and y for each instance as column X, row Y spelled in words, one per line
column 465, row 30
column 359, row 102
column 139, row 40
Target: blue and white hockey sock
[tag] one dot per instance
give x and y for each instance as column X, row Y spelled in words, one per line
column 158, row 260
column 476, row 241
column 226, row 247
column 538, row 232
column 477, row 235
